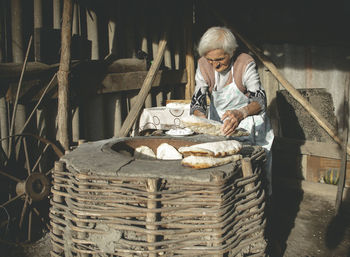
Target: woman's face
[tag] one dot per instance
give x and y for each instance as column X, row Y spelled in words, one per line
column 218, row 59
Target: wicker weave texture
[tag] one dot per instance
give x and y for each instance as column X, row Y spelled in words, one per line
column 94, row 215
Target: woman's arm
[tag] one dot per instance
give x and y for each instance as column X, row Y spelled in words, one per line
column 198, row 105
column 257, row 101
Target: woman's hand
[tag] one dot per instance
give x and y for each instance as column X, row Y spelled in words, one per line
column 231, row 119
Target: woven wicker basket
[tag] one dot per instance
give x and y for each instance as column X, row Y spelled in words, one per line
column 155, row 208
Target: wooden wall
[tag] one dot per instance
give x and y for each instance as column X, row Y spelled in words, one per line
column 108, row 39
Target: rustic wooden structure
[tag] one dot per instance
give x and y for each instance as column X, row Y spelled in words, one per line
column 153, row 207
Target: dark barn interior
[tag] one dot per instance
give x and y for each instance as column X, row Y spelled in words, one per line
column 74, row 72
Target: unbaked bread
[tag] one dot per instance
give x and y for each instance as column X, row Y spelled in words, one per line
column 203, row 162
column 168, row 152
column 144, row 152
column 215, row 149
column 210, row 127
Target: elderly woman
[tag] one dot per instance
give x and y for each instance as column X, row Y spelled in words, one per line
column 232, row 82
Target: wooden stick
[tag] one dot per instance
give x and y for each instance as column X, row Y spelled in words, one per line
column 146, row 86
column 151, row 216
column 59, row 167
column 38, row 103
column 189, row 52
column 342, row 171
column 17, row 95
column 247, row 171
column 62, row 75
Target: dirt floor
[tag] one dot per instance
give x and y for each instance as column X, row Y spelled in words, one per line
column 304, row 225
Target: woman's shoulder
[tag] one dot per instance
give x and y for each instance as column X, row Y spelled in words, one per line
column 244, row 58
column 207, row 71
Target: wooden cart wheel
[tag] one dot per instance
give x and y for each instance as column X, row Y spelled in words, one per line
column 25, row 182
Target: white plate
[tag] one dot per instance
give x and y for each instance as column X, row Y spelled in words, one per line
column 179, row 132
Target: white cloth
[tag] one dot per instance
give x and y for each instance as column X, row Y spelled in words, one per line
column 261, row 133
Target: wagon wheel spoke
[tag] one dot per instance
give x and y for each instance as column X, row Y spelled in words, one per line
column 11, row 200
column 24, row 209
column 30, row 225
column 48, row 172
column 26, row 155
column 39, row 158
column 42, row 219
column 9, row 176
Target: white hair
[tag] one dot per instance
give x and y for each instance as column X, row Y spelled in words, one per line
column 217, row 38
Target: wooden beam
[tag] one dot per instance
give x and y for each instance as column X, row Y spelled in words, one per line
column 63, row 75
column 190, row 67
column 12, row 71
column 117, row 82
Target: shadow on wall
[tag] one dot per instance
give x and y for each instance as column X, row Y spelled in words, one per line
column 286, row 169
column 341, row 221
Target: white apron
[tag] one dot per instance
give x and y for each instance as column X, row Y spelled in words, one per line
column 229, row 98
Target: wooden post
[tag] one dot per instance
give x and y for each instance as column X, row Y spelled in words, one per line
column 247, row 171
column 76, row 124
column 151, row 216
column 56, row 198
column 155, row 41
column 62, row 75
column 17, row 33
column 92, row 33
column 38, row 14
column 75, row 19
column 189, row 51
column 117, row 114
column 56, row 14
column 4, row 124
column 144, row 48
column 147, row 84
column 217, row 178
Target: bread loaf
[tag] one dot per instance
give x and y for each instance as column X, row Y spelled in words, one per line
column 214, row 149
column 203, row 162
column 168, row 152
column 144, row 152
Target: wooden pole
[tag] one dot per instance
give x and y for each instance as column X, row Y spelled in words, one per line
column 56, row 14
column 343, row 165
column 92, row 33
column 63, row 75
column 17, row 31
column 4, row 133
column 151, row 217
column 16, row 105
column 38, row 14
column 146, row 86
column 189, row 51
